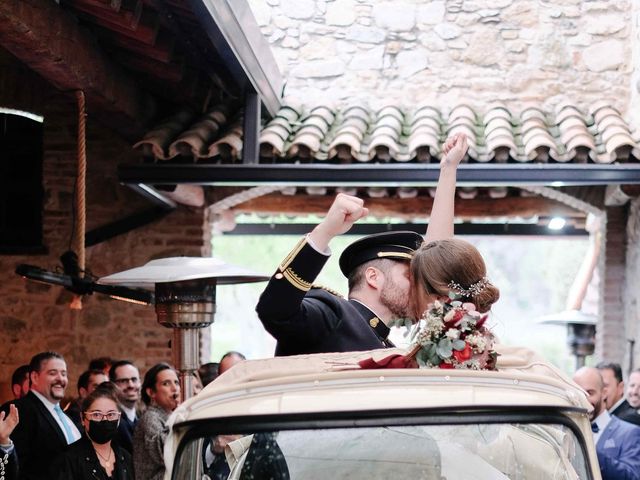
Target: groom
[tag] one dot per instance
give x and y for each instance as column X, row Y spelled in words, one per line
column 304, row 319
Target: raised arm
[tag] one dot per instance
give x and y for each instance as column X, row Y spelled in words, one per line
column 343, row 213
column 441, row 219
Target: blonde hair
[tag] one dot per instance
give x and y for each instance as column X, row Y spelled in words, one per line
column 436, row 265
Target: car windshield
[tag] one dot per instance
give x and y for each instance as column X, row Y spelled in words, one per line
column 463, row 451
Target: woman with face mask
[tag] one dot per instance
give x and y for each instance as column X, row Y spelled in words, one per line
column 94, row 456
column 161, row 394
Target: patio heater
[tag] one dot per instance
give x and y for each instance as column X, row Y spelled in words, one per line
column 185, row 300
column 581, row 332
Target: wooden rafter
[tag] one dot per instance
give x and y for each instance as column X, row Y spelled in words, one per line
column 48, row 40
column 410, row 208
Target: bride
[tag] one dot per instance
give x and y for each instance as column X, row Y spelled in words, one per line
column 451, row 296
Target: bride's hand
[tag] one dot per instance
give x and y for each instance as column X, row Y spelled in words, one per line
column 454, row 150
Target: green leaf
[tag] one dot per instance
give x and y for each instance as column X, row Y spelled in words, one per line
column 422, row 357
column 430, row 349
column 459, row 345
column 444, row 348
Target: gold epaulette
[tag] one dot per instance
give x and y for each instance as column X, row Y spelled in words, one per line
column 327, row 289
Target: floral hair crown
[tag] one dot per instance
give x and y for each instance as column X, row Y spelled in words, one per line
column 473, row 290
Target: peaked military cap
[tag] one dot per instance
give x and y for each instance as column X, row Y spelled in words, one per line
column 393, row 245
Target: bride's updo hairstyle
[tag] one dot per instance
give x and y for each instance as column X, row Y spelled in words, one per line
column 453, row 265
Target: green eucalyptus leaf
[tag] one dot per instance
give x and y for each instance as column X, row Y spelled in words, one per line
column 444, row 348
column 459, row 345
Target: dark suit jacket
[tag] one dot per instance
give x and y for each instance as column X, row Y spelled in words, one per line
column 626, row 412
column 37, row 437
column 618, row 451
column 314, row 320
column 124, row 438
column 80, row 462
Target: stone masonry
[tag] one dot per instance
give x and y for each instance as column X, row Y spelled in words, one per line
column 449, row 51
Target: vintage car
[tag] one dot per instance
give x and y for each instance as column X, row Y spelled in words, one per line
column 323, row 417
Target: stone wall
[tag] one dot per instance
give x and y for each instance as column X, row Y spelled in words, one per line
column 448, row 51
column 36, row 317
column 634, row 106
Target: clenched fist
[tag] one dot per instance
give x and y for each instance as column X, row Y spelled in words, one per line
column 343, row 213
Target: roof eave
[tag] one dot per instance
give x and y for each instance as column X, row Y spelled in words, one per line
column 234, row 32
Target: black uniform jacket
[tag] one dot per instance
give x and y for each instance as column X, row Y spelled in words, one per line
column 81, row 462
column 626, row 412
column 311, row 320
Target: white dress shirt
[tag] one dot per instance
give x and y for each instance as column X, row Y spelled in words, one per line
column 50, row 406
column 602, row 421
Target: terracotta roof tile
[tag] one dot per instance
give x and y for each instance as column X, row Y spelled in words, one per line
column 355, row 133
column 156, row 142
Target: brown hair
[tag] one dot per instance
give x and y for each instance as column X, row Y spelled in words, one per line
column 436, row 264
column 356, row 277
column 104, row 390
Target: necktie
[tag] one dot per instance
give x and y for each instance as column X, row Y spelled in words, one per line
column 595, row 428
column 67, row 429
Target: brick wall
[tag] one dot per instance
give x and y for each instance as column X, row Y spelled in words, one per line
column 611, row 338
column 36, row 317
column 632, row 285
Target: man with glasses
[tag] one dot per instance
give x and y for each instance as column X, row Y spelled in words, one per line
column 126, row 377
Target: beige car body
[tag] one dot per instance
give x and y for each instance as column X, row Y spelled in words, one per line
column 313, row 384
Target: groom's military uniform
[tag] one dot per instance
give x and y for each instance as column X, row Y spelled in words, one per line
column 304, row 319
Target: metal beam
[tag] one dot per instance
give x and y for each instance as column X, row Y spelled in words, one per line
column 369, row 228
column 124, row 225
column 251, row 128
column 386, row 175
column 234, row 32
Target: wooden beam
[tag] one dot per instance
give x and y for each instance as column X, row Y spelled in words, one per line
column 49, row 41
column 410, row 208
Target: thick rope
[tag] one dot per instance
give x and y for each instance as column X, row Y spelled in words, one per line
column 80, row 207
column 241, row 197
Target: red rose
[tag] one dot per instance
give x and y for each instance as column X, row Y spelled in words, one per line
column 445, row 366
column 464, row 354
column 457, row 316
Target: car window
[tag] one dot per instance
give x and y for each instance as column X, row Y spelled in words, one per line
column 476, row 451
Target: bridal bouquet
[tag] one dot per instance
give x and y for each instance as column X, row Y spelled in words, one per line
column 452, row 334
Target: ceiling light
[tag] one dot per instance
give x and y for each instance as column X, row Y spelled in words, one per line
column 557, row 223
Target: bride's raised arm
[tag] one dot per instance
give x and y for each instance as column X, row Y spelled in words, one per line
column 441, row 219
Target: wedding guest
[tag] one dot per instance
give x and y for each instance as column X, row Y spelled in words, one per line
column 95, row 456
column 208, row 372
column 20, row 381
column 101, row 363
column 312, row 320
column 228, row 360
column 8, row 458
column 633, row 390
column 44, row 431
column 126, row 377
column 161, row 394
column 614, row 396
column 87, row 382
column 617, row 442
